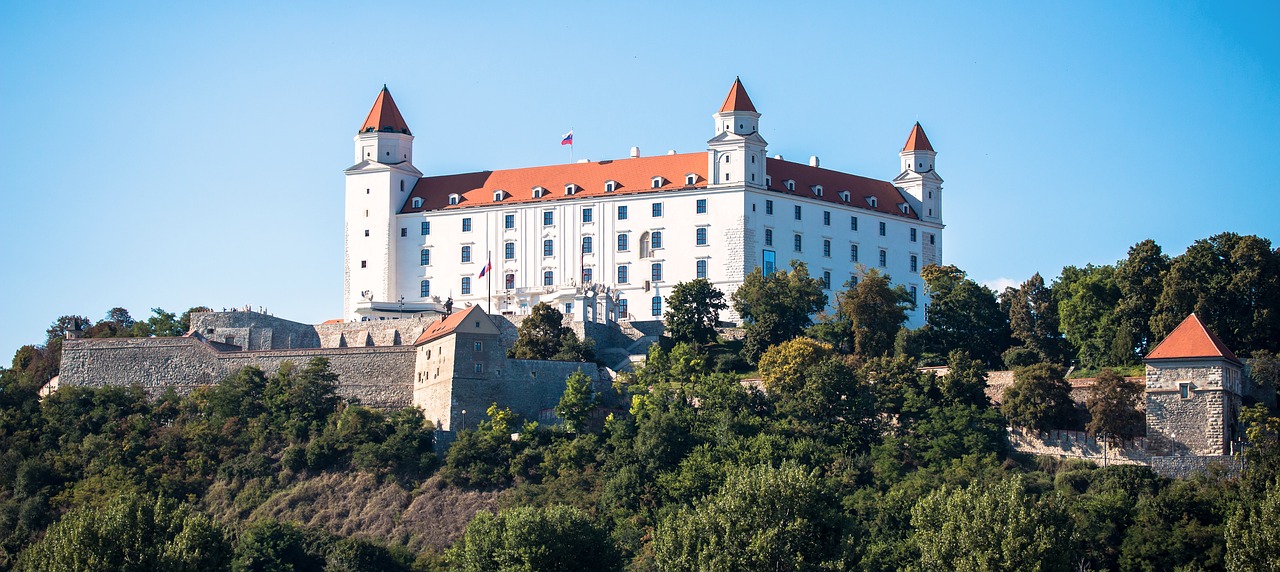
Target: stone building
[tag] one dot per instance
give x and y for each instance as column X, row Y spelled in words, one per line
column 1195, row 389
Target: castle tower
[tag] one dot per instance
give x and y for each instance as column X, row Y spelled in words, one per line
column 377, row 187
column 919, row 180
column 1194, row 387
column 736, row 154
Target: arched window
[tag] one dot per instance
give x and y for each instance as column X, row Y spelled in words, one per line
column 656, row 307
column 425, row 289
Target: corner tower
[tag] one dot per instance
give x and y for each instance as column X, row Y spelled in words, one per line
column 377, row 187
column 918, row 179
column 1194, row 393
column 736, row 154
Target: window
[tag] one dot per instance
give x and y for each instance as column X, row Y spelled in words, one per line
column 789, row 184
column 548, row 217
column 622, row 309
column 690, row 179
column 499, row 195
column 610, row 186
column 883, row 258
column 768, row 207
column 364, row 263
column 466, row 284
column 798, row 243
column 586, row 215
column 844, row 196
column 914, row 293
column 622, row 275
column 826, row 248
column 548, row 247
column 701, row 236
column 622, row 242
column 425, row 257
column 913, row 235
column 1184, row 390
column 702, row 206
column 770, row 262
column 657, row 209
column 882, row 228
column 570, row 189
column 817, row 190
column 655, row 240
column 424, row 289
column 539, row 192
column 768, row 237
column 479, row 366
column 466, row 224
column 853, row 253
column 853, row 280
column 853, row 223
column 655, row 272
column 568, row 308
column 426, row 228
column 586, row 275
column 586, row 245
column 509, row 281
column 826, row 218
column 656, row 306
column 466, row 254
column 548, row 278
column 658, row 182
column 509, row 251
column 702, row 268
column 366, row 232
column 931, row 239
column 417, row 203
column 404, row 232
column 454, row 198
column 826, row 279
column 509, row 221
column 913, row 263
column 478, row 346
column 622, row 212
column 797, row 212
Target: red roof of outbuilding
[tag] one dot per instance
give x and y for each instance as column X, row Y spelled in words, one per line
column 385, row 116
column 1191, row 340
column 737, row 99
column 917, row 141
column 444, row 327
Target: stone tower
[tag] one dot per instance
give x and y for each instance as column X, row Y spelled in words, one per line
column 736, row 154
column 1194, row 388
column 377, row 186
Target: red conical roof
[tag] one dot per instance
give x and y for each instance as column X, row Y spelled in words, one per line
column 1191, row 340
column 737, row 99
column 917, row 140
column 385, row 116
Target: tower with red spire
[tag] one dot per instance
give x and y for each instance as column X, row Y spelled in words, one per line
column 736, row 154
column 922, row 187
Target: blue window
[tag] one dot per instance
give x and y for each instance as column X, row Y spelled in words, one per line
column 586, row 275
column 425, row 257
column 656, row 272
column 913, row 235
column 656, row 306
column 768, row 207
column 548, row 217
column 466, row 284
column 548, row 247
column 657, row 209
column 548, row 278
column 622, row 242
column 466, row 254
column 622, row 275
column 404, row 232
column 914, row 293
column 768, row 237
column 826, row 248
column 883, row 259
column 770, row 262
column 701, row 236
column 853, row 223
column 881, row 229
column 586, row 245
column 702, row 206
column 509, row 251
column 466, row 224
column 622, row 309
column 586, row 215
column 424, row 289
column 826, row 279
column 826, row 218
column 914, row 262
column 797, row 212
column 622, row 212
column 509, row 221
column 702, row 268
column 799, row 244
column 655, row 239
column 426, row 228
column 510, row 281
column 853, row 253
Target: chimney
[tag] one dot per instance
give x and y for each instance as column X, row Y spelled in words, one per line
column 671, row 151
column 635, row 152
column 813, row 160
column 778, row 156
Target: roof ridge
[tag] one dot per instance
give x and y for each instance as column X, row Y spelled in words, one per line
column 1191, row 339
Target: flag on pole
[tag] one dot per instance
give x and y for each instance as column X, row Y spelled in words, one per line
column 567, row 139
column 487, row 267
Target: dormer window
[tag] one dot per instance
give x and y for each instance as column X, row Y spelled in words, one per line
column 768, row 181
column 844, row 196
column 539, row 192
column 658, row 182
column 906, row 209
column 417, row 202
column 789, row 184
column 690, row 179
column 570, row 189
column 499, row 195
column 872, row 201
column 610, row 186
column 454, row 198
column 817, row 190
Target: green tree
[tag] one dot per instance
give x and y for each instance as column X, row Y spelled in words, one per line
column 962, row 315
column 1033, row 318
column 1087, row 299
column 693, row 309
column 1113, row 407
column 776, row 307
column 990, row 527
column 543, row 335
column 783, row 367
column 1140, row 278
column 1253, row 534
column 875, row 310
column 577, row 401
column 1040, row 398
column 300, row 400
column 763, row 518
column 271, row 546
column 531, row 539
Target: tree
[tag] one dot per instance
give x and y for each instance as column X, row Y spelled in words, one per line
column 965, row 382
column 1033, row 318
column 271, row 546
column 988, row 528
column 1113, row 406
column 543, row 335
column 1087, row 299
column 120, row 317
column 875, row 311
column 300, row 400
column 1039, row 398
column 62, row 325
column 1253, row 538
column 531, row 539
column 1264, row 371
column 693, row 310
column 763, row 518
column 577, row 401
column 1140, row 278
column 776, row 307
column 962, row 315
column 783, row 367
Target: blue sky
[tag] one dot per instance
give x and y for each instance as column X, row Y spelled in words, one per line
column 174, row 155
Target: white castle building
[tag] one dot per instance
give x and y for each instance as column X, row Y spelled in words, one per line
column 606, row 240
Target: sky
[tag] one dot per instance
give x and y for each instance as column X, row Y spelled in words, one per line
column 175, row 154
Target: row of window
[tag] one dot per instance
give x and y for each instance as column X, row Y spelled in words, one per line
column 588, row 275
column 826, row 219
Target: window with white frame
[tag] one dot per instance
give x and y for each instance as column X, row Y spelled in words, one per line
column 466, row 284
column 884, row 258
column 655, row 240
column 701, row 268
column 548, row 218
column 426, row 227
column 656, row 306
column 798, row 243
column 548, row 278
column 657, row 209
column 570, row 189
column 509, row 221
column 466, row 224
column 701, row 207
column 655, row 272
column 417, row 203
column 586, row 245
column 454, row 199
column 700, row 236
column 424, row 256
column 587, row 215
column 853, row 253
column 509, row 251
column 768, row 237
column 623, row 276
column 424, row 289
column 466, row 254
column 622, row 242
column 548, row 247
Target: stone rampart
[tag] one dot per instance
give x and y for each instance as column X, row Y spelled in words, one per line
column 373, row 376
column 1184, row 466
column 1079, row 445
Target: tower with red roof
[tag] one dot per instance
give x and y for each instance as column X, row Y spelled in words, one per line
column 1194, row 393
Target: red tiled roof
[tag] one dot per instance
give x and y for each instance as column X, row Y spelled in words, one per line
column 1191, row 340
column 333, row 321
column 385, row 116
column 737, row 99
column 917, row 141
column 635, row 176
column 444, row 327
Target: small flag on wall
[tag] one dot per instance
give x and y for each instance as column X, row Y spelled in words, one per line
column 567, row 139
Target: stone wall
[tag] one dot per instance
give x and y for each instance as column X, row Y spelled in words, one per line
column 254, row 331
column 1078, row 445
column 375, row 376
column 1203, row 422
column 1184, row 466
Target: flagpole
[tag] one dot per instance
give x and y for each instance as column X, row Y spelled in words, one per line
column 488, row 263
column 571, row 145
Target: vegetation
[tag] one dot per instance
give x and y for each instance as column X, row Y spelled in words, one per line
column 543, row 335
column 693, row 310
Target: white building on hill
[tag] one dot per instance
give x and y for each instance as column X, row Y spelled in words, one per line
column 606, row 240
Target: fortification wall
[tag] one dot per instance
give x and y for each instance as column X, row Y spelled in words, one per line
column 401, row 331
column 1184, row 466
column 254, row 331
column 1079, row 445
column 373, row 376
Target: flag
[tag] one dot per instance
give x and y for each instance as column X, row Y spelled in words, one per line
column 487, row 267
column 567, row 139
